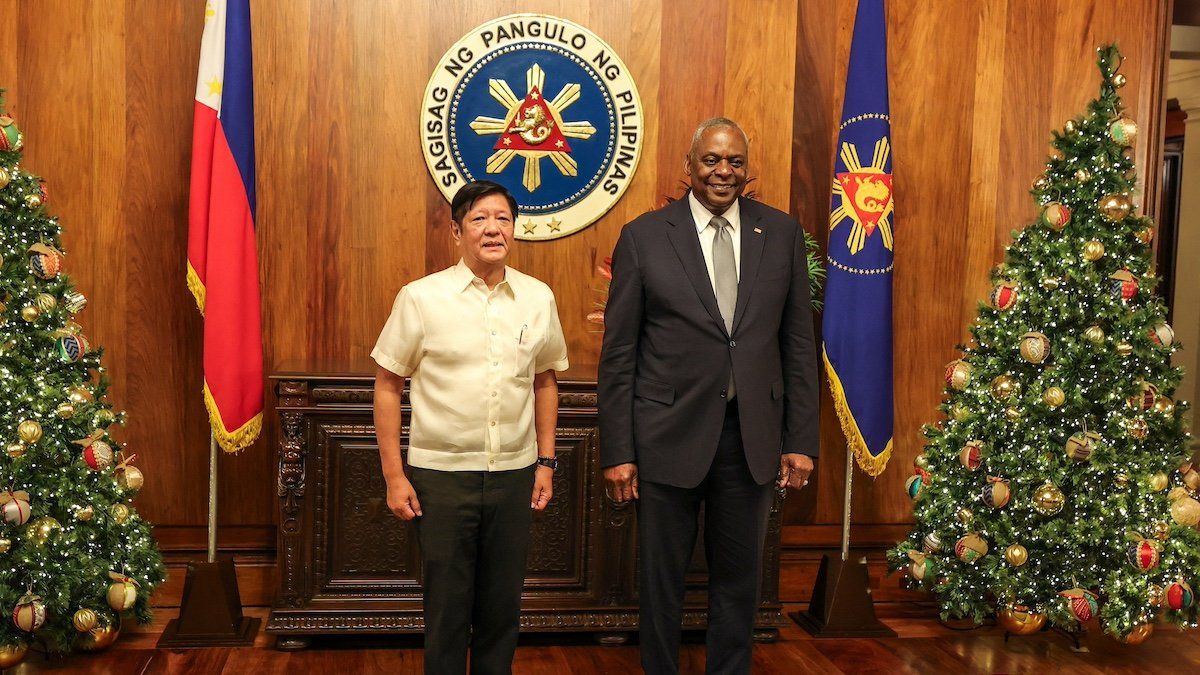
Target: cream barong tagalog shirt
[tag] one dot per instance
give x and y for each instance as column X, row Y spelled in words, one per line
column 471, row 353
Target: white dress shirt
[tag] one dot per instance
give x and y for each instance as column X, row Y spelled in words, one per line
column 471, row 353
column 702, row 216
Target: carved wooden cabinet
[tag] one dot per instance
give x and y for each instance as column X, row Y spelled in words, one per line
column 347, row 565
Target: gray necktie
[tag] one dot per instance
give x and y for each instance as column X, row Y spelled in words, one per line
column 724, row 277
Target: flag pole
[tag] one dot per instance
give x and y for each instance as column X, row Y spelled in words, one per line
column 845, row 504
column 212, row 498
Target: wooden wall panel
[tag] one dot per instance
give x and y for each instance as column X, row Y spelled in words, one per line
column 347, row 212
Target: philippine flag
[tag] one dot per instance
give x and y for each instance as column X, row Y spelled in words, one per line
column 222, row 264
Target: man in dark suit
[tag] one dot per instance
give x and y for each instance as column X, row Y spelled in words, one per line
column 708, row 392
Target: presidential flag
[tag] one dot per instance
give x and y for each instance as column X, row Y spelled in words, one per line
column 857, row 324
column 222, row 263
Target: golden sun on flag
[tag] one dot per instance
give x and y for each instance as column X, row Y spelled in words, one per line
column 865, row 194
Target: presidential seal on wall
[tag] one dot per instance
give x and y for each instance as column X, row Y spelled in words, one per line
column 545, row 108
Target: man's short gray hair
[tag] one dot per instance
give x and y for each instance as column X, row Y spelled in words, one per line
column 715, row 123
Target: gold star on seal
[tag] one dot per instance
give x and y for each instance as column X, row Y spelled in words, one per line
column 555, row 225
column 529, row 226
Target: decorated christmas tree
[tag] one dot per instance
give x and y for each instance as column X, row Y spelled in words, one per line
column 73, row 554
column 1057, row 487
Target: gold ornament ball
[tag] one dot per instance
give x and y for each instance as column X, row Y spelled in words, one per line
column 958, row 374
column 1115, row 207
column 1123, row 131
column 86, row 513
column 1054, row 397
column 1155, row 595
column 104, row 417
column 1035, row 347
column 45, row 302
column 30, row 313
column 42, row 529
column 1020, row 620
column 1145, row 235
column 1184, row 510
column 964, row 515
column 33, row 200
column 85, row 620
column 1122, row 480
column 122, row 595
column 5, row 177
column 65, row 411
column 15, row 450
column 11, row 655
column 120, row 513
column 1041, row 183
column 1159, row 529
column 131, row 478
column 1083, row 175
column 1070, row 127
column 1164, row 406
column 1124, row 348
column 1004, row 386
column 1159, row 482
column 1191, row 477
column 1012, row 414
column 1093, row 251
column 79, row 395
column 29, row 431
column 1094, row 334
column 1051, row 283
column 1016, row 555
column 1119, row 81
column 5, row 544
column 1048, row 499
column 1142, row 631
column 1138, row 428
column 101, row 637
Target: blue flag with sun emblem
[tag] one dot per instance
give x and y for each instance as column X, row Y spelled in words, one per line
column 857, row 325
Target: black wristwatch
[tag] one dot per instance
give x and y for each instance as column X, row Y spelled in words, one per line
column 549, row 462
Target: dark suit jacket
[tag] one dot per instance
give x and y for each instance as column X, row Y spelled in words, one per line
column 666, row 357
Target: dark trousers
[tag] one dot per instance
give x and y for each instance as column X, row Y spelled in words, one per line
column 474, row 537
column 735, row 524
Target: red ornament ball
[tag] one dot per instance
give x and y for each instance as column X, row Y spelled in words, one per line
column 1056, row 215
column 1083, row 603
column 1179, row 595
column 1124, row 284
column 1005, row 296
column 1144, row 555
column 98, row 455
column 971, row 455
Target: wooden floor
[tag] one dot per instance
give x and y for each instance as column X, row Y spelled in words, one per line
column 923, row 646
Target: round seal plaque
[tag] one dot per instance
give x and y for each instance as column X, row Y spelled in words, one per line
column 545, row 108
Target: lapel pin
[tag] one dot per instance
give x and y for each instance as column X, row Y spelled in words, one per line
column 757, row 230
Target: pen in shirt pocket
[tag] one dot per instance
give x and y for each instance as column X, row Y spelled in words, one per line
column 521, row 336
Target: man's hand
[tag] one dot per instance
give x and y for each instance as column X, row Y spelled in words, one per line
column 543, row 488
column 402, row 499
column 622, row 482
column 794, row 469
